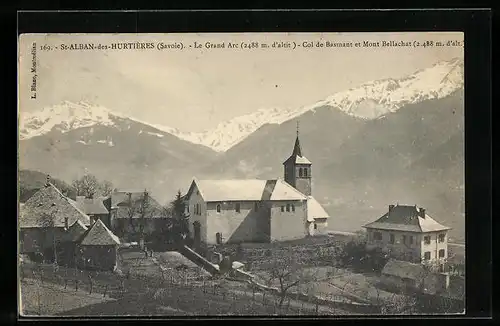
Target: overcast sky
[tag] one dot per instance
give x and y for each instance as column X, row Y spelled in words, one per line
column 194, row 89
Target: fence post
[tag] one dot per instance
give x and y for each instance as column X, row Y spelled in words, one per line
column 76, row 285
column 317, row 307
column 105, row 291
column 91, row 284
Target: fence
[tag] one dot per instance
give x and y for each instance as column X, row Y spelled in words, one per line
column 191, row 295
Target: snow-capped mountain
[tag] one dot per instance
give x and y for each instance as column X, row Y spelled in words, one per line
column 368, row 101
column 375, row 99
column 65, row 117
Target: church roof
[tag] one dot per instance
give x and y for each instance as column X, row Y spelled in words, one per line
column 246, row 190
column 406, row 218
column 297, row 156
column 315, row 210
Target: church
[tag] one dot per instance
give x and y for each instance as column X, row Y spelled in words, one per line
column 253, row 210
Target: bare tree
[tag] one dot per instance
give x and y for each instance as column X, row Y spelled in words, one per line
column 138, row 211
column 288, row 273
column 87, row 186
column 106, row 188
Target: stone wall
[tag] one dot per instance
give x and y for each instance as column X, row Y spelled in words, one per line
column 310, row 251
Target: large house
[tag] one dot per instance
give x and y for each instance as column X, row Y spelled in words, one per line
column 251, row 210
column 408, row 233
column 56, row 226
column 44, row 219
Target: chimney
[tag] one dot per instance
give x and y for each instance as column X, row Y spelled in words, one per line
column 47, row 181
column 422, row 212
column 391, row 207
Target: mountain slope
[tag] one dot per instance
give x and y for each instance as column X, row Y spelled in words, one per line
column 31, row 181
column 262, row 153
column 126, row 152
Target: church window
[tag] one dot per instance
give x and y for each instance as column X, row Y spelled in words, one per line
column 282, row 208
column 293, row 208
column 218, row 208
column 287, row 207
column 305, row 172
column 315, row 226
column 237, row 207
column 300, row 172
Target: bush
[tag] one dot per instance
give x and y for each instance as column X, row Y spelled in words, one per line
column 355, row 255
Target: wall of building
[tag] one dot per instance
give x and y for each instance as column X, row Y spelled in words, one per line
column 249, row 225
column 398, row 250
column 303, row 184
column 122, row 227
column 288, row 225
column 434, row 246
column 38, row 239
column 97, row 257
column 200, row 217
column 321, row 227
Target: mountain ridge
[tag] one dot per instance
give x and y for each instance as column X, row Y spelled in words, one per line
column 369, row 100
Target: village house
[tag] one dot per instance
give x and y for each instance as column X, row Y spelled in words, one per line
column 128, row 209
column 44, row 219
column 251, row 210
column 97, row 248
column 399, row 274
column 408, row 233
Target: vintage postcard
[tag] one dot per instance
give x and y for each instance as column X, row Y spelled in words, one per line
column 256, row 174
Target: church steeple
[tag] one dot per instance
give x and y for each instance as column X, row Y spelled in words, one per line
column 296, row 148
column 297, row 169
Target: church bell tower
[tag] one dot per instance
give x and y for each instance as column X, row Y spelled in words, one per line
column 297, row 169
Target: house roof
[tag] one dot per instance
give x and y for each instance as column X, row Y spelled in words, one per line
column 91, row 206
column 246, row 189
column 404, row 270
column 99, row 235
column 406, row 218
column 315, row 210
column 75, row 232
column 47, row 207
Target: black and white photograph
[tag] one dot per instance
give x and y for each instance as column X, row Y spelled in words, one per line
column 241, row 174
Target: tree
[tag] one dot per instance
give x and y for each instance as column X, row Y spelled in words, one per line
column 106, row 188
column 288, row 272
column 87, row 186
column 180, row 218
